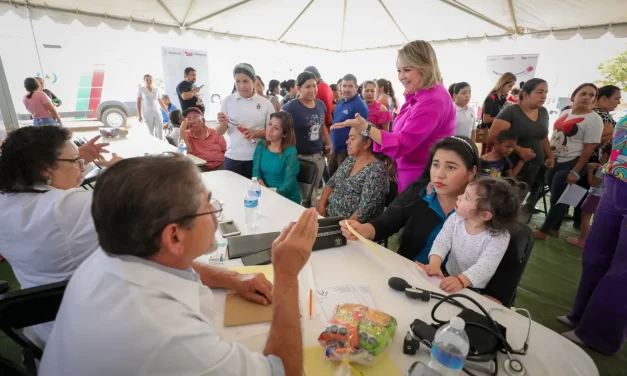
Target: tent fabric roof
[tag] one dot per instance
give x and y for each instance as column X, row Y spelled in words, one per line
column 349, row 25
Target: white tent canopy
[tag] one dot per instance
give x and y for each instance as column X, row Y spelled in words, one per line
column 350, row 25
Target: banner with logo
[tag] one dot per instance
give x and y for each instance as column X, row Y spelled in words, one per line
column 522, row 66
column 175, row 60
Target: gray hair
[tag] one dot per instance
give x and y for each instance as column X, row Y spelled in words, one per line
column 135, row 199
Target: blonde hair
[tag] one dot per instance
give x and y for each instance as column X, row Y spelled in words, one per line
column 421, row 55
column 505, row 78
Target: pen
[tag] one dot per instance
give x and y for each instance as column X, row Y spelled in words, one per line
column 310, row 302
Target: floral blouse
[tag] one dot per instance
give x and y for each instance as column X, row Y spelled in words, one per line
column 363, row 193
column 617, row 165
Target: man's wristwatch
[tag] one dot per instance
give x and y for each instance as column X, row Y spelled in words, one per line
column 366, row 132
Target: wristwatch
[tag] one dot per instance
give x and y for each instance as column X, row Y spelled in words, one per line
column 366, row 132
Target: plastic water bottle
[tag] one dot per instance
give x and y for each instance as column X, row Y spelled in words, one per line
column 251, row 204
column 449, row 348
column 182, row 147
column 258, row 190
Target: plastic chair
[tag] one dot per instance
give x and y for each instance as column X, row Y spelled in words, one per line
column 505, row 281
column 28, row 307
column 388, row 200
column 306, row 179
column 91, row 177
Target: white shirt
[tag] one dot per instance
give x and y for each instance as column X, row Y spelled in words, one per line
column 252, row 113
column 571, row 132
column 465, row 121
column 475, row 256
column 122, row 315
column 46, row 236
column 150, row 102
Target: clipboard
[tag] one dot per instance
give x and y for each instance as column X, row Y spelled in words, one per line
column 239, row 311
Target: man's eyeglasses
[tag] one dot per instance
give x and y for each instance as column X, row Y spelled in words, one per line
column 79, row 161
column 216, row 211
column 193, row 118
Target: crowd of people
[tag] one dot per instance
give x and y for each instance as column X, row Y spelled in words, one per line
column 386, row 167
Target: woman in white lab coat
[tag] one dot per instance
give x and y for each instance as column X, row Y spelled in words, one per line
column 47, row 229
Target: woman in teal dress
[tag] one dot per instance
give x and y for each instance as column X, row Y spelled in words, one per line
column 275, row 164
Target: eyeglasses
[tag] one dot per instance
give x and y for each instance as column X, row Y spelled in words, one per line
column 79, row 161
column 216, row 212
column 193, row 118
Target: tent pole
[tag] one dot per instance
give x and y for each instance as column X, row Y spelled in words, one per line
column 476, row 14
column 32, row 30
column 167, row 10
column 189, row 8
column 513, row 14
column 393, row 20
column 296, row 19
column 219, row 12
column 343, row 25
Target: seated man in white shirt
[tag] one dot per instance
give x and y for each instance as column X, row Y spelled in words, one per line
column 140, row 305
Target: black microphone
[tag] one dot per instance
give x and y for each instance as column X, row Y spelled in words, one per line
column 399, row 284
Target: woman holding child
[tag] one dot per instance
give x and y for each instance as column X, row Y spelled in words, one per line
column 432, row 227
column 528, row 121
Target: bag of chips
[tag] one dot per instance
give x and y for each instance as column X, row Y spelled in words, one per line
column 357, row 333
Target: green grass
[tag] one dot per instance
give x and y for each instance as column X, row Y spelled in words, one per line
column 547, row 290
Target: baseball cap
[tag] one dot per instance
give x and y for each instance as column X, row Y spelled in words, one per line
column 192, row 109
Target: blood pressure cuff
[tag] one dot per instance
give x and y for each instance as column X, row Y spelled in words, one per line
column 481, row 341
column 329, row 234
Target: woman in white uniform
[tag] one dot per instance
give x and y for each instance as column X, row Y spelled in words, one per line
column 243, row 119
column 149, row 105
column 47, row 230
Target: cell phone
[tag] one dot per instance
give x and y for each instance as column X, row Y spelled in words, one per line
column 228, row 229
column 201, row 86
column 260, row 258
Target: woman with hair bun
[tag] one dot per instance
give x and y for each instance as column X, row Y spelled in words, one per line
column 385, row 94
column 291, row 91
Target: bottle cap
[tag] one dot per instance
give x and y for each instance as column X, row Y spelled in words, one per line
column 457, row 323
column 254, row 179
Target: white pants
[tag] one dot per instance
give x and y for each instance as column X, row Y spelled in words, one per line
column 154, row 122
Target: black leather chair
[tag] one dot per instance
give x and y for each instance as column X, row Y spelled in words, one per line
column 504, row 282
column 306, row 179
column 4, row 287
column 8, row 368
column 28, row 307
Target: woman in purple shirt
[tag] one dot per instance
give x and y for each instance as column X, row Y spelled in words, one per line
column 426, row 117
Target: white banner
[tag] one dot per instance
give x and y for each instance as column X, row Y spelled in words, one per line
column 522, row 66
column 175, row 60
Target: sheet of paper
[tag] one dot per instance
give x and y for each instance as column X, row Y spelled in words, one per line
column 316, row 364
column 572, row 195
column 329, row 297
column 370, row 244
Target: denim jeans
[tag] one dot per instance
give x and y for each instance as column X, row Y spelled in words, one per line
column 45, row 121
column 556, row 179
